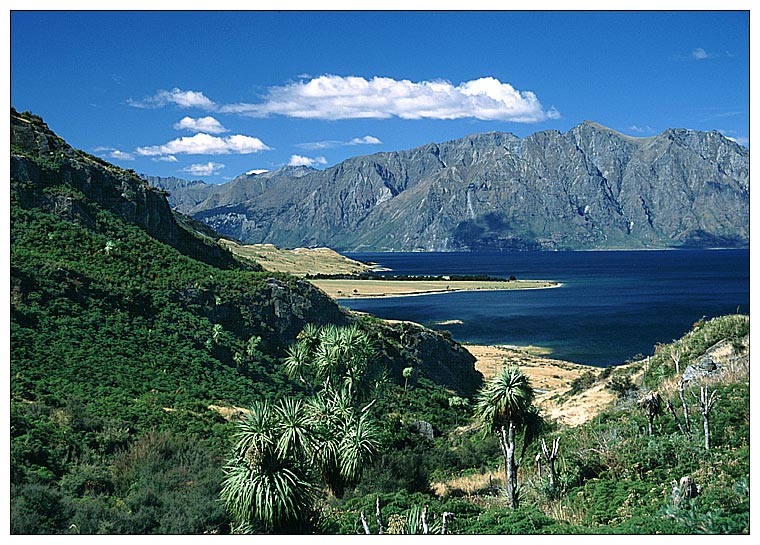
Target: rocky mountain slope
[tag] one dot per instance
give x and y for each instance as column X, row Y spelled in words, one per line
column 105, row 238
column 589, row 188
column 42, row 162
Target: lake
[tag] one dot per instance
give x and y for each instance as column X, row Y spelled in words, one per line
column 612, row 304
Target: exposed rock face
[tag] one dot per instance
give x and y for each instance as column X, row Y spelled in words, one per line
column 39, row 159
column 434, row 355
column 720, row 359
column 284, row 308
column 590, row 187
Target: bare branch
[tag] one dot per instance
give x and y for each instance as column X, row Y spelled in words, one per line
column 444, row 524
column 367, row 407
column 364, row 523
column 686, row 423
column 675, row 417
column 378, row 516
column 675, row 355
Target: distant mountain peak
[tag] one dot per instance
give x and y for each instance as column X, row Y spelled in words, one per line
column 296, row 171
column 603, row 128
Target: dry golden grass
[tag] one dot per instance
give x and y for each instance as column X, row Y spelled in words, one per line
column 299, row 261
column 229, row 413
column 391, row 288
column 469, row 485
column 736, row 366
column 551, row 378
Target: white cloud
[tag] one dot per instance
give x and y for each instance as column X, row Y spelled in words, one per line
column 203, row 143
column 364, row 140
column 257, row 171
column 325, row 144
column 183, row 99
column 166, row 158
column 118, row 154
column 301, row 161
column 351, row 97
column 700, row 54
column 644, row 129
column 203, row 169
column 322, row 144
column 201, row 124
column 741, row 140
column 113, row 153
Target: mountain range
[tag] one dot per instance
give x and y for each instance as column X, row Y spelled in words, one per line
column 588, row 188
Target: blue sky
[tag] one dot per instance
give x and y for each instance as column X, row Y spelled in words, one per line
column 205, row 95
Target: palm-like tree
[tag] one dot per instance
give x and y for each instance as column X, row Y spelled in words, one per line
column 333, row 357
column 266, row 485
column 298, row 361
column 345, row 438
column 309, row 335
column 282, row 450
column 505, row 407
column 406, row 373
column 359, row 442
column 296, row 437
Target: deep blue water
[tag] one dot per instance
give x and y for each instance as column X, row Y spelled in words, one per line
column 612, row 304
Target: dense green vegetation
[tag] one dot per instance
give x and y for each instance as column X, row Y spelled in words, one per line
column 612, row 476
column 130, row 361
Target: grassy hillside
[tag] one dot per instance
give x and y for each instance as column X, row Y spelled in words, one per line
column 298, row 261
column 129, row 353
column 613, row 477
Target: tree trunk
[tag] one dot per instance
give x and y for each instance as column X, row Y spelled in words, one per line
column 364, row 523
column 675, row 417
column 706, row 402
column 445, row 522
column 551, row 457
column 513, row 493
column 507, row 442
column 378, row 516
column 552, row 475
column 686, row 423
column 650, row 420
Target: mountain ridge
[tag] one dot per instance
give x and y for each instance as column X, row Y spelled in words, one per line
column 588, row 188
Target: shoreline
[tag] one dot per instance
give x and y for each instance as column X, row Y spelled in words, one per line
column 422, row 292
column 675, row 249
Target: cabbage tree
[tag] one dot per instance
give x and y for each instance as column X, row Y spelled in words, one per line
column 505, row 408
